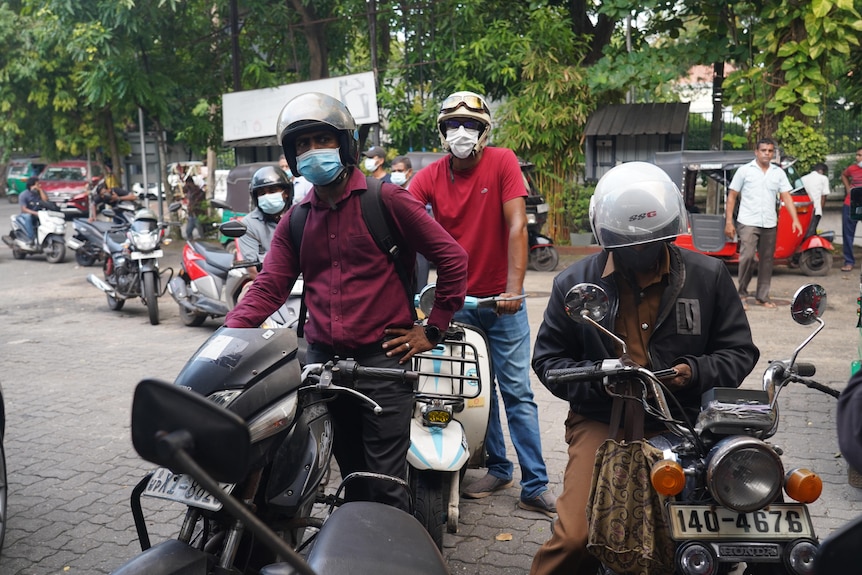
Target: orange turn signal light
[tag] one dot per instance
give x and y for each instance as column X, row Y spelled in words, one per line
column 803, row 485
column 667, row 477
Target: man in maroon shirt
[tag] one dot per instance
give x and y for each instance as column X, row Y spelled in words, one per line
column 357, row 304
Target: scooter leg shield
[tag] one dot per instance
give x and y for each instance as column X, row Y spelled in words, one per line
column 170, row 557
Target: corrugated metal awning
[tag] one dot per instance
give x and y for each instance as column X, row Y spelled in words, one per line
column 638, row 119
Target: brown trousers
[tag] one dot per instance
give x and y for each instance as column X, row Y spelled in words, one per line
column 566, row 551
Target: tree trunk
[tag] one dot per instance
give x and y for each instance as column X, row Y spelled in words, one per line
column 314, row 31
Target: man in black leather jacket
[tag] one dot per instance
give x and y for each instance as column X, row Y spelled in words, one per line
column 674, row 308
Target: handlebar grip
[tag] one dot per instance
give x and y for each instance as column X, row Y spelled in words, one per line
column 385, row 373
column 805, row 369
column 572, row 374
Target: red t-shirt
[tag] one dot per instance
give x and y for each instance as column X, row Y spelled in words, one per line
column 469, row 205
column 854, row 175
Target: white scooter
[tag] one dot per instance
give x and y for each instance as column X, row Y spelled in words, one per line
column 50, row 237
column 450, row 418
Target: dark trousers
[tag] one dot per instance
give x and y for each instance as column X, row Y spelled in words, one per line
column 760, row 242
column 848, row 231
column 368, row 442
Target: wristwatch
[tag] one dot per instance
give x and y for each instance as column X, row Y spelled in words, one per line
column 432, row 333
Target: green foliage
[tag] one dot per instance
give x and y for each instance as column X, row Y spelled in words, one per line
column 803, row 142
column 576, row 202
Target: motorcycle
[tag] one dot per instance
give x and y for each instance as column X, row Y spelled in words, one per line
column 450, row 417
column 811, row 251
column 543, row 255
column 50, row 237
column 131, row 265
column 209, row 283
column 88, row 238
column 722, row 482
column 264, row 432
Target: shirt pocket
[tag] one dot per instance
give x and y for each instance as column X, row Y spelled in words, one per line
column 688, row 318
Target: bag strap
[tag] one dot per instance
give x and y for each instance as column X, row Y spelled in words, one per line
column 630, row 413
column 296, row 226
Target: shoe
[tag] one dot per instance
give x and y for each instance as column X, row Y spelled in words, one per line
column 545, row 503
column 486, row 486
column 846, row 268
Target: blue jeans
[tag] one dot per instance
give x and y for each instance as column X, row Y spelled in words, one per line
column 509, row 340
column 848, row 231
column 26, row 222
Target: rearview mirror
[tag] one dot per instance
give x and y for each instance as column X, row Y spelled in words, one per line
column 233, row 228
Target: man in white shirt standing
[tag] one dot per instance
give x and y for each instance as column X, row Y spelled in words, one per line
column 758, row 184
column 816, row 185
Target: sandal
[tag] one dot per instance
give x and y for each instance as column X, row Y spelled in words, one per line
column 767, row 304
column 846, row 268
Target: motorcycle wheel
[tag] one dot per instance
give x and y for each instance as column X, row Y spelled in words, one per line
column 150, row 297
column 190, row 318
column 815, row 262
column 13, row 198
column 3, row 494
column 18, row 253
column 84, row 259
column 55, row 251
column 544, row 258
column 428, row 503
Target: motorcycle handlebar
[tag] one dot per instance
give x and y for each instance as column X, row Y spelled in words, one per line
column 384, row 373
column 573, row 374
column 805, row 369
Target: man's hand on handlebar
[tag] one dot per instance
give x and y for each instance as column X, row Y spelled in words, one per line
column 406, row 341
column 681, row 379
column 508, row 307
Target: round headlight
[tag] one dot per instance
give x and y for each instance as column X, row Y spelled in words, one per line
column 799, row 556
column 744, row 474
column 696, row 559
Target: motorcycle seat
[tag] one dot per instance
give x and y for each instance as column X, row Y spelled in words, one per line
column 707, row 232
column 215, row 255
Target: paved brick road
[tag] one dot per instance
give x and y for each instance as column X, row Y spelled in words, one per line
column 68, row 366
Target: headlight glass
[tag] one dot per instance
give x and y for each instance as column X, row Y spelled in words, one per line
column 224, row 398
column 145, row 241
column 744, row 474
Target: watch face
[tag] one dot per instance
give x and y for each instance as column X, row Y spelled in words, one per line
column 432, row 333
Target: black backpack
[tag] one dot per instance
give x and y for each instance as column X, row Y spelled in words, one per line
column 378, row 220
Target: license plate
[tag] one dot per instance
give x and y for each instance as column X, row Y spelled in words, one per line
column 165, row 484
column 780, row 521
column 147, row 255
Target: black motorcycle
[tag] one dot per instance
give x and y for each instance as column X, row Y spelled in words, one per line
column 88, row 237
column 132, row 264
column 255, row 375
column 543, row 255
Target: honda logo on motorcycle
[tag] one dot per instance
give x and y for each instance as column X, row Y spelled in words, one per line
column 762, row 551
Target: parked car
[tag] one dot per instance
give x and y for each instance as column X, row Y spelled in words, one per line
column 67, row 183
column 17, row 174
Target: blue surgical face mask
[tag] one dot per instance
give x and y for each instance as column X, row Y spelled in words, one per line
column 271, row 203
column 321, row 166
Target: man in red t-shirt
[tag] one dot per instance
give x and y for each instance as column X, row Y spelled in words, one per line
column 477, row 194
column 851, row 178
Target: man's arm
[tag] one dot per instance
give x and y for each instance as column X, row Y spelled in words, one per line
column 729, row 228
column 791, row 209
column 515, row 213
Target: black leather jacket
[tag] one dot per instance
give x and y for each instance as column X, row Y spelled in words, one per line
column 701, row 322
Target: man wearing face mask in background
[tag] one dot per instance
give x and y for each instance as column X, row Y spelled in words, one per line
column 477, row 194
column 301, row 186
column 673, row 308
column 352, row 288
column 375, row 160
column 271, row 195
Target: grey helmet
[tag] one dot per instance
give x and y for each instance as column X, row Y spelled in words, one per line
column 314, row 111
column 267, row 177
column 636, row 203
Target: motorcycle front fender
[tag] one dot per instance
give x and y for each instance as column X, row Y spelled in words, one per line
column 169, row 557
column 437, row 448
column 541, row 240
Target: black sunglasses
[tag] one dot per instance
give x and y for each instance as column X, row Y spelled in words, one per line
column 455, row 123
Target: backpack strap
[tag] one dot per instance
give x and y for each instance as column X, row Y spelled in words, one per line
column 379, row 222
column 296, row 226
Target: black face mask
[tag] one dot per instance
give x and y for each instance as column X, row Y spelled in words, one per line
column 639, row 261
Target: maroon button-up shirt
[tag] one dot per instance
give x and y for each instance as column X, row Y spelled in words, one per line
column 352, row 290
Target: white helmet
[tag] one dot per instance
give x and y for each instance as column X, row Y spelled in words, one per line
column 464, row 105
column 636, row 203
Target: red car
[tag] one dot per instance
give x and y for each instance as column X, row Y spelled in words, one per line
column 66, row 185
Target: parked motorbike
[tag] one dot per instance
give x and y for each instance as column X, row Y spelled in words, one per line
column 131, row 267
column 210, row 281
column 721, row 479
column 811, row 252
column 50, row 237
column 264, row 433
column 543, row 255
column 89, row 236
column 450, row 417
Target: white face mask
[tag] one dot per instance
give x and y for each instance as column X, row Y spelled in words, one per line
column 398, row 178
column 370, row 164
column 462, row 141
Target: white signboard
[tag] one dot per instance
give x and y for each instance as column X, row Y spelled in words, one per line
column 254, row 113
